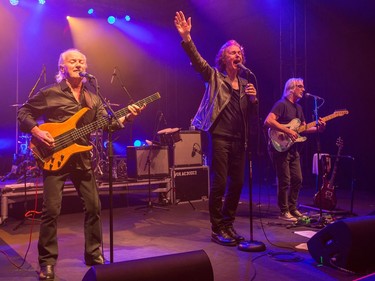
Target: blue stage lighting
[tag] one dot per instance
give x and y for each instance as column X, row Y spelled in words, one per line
column 137, row 143
column 14, row 2
column 111, row 19
column 127, row 18
column 90, row 11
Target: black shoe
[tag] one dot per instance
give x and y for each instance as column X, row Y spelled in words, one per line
column 233, row 233
column 95, row 261
column 47, row 272
column 222, row 237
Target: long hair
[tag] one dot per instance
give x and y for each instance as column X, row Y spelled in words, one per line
column 220, row 57
column 60, row 75
column 290, row 85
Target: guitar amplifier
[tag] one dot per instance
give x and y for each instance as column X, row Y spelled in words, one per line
column 137, row 162
column 188, row 151
column 191, row 183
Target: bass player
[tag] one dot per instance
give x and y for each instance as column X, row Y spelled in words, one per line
column 56, row 104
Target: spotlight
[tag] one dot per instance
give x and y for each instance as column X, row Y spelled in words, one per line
column 90, row 11
column 127, row 18
column 138, row 143
column 42, row 2
column 111, row 19
column 14, row 2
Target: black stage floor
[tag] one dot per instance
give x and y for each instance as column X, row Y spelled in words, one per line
column 181, row 228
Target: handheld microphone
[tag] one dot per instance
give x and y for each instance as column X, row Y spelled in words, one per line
column 244, row 68
column 313, row 96
column 113, row 74
column 87, row 75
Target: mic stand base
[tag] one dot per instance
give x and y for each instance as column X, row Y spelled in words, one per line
column 251, row 246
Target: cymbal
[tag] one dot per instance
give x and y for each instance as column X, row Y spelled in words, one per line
column 16, row 105
column 168, row 131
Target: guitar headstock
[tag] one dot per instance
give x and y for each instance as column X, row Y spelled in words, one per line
column 340, row 143
column 341, row 112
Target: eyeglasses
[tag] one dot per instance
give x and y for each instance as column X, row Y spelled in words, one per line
column 300, row 86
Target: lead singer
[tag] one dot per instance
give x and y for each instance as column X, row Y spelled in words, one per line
column 227, row 111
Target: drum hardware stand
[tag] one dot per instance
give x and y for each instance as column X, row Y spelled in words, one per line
column 25, row 165
column 150, row 206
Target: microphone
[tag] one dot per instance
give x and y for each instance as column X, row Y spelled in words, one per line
column 244, row 68
column 113, row 74
column 163, row 117
column 87, row 75
column 313, row 96
column 193, row 152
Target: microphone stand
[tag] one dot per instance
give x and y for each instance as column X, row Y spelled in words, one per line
column 321, row 221
column 250, row 245
column 37, row 81
column 111, row 117
column 131, row 100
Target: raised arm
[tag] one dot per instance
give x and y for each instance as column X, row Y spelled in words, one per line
column 183, row 26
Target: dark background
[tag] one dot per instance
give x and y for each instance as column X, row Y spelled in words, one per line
column 328, row 43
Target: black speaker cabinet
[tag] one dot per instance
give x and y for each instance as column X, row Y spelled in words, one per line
column 188, row 151
column 189, row 266
column 191, row 183
column 137, row 161
column 347, row 243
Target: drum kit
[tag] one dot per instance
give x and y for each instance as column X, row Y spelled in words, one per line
column 24, row 165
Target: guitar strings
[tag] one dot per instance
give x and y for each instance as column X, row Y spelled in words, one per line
column 66, row 139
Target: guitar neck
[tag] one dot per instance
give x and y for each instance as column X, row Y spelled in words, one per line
column 103, row 122
column 312, row 124
column 332, row 179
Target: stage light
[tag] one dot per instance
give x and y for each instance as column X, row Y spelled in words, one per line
column 67, row 17
column 42, row 2
column 111, row 19
column 14, row 2
column 127, row 18
column 90, row 11
column 138, row 143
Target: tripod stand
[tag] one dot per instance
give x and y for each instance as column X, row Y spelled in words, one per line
column 28, row 169
column 152, row 148
column 152, row 152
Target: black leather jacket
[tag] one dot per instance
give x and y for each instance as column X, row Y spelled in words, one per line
column 217, row 94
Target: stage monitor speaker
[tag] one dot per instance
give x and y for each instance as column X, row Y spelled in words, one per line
column 347, row 243
column 191, row 183
column 189, row 266
column 137, row 161
column 188, row 151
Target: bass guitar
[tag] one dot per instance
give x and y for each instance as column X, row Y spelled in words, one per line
column 282, row 142
column 65, row 135
column 325, row 198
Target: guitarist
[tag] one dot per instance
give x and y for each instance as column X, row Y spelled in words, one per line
column 287, row 163
column 57, row 103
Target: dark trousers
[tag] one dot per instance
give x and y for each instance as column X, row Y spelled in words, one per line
column 85, row 184
column 289, row 178
column 227, row 170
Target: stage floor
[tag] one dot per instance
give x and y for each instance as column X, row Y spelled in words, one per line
column 151, row 232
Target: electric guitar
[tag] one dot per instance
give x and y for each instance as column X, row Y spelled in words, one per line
column 65, row 135
column 282, row 142
column 326, row 197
